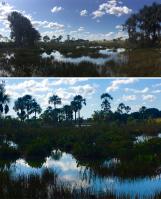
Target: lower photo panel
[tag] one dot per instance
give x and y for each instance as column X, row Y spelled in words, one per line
column 78, row 138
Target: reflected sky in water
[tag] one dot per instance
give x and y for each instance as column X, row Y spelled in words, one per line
column 111, row 55
column 68, row 171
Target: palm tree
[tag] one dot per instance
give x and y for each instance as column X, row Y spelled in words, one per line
column 142, row 111
column 74, row 107
column 80, row 101
column 28, row 101
column 19, row 107
column 55, row 100
column 35, row 108
column 4, row 100
column 67, row 109
column 106, row 106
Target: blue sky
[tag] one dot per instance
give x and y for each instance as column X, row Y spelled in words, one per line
column 131, row 91
column 88, row 19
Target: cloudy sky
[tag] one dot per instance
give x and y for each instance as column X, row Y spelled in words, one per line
column 133, row 92
column 88, row 19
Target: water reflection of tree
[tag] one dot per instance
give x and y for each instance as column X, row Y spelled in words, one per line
column 124, row 169
column 56, row 154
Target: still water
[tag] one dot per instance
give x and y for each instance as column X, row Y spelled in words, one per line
column 104, row 62
column 111, row 55
column 69, row 171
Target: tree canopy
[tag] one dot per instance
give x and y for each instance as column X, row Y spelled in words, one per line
column 22, row 31
column 145, row 26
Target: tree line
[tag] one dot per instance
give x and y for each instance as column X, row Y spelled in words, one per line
column 27, row 107
column 24, row 34
column 144, row 27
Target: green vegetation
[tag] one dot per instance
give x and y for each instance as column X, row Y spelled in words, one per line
column 93, row 142
column 105, row 136
column 22, row 54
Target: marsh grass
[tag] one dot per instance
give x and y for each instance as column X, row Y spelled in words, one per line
column 47, row 185
column 35, row 143
column 133, row 62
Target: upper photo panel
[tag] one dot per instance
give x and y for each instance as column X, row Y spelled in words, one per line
column 80, row 38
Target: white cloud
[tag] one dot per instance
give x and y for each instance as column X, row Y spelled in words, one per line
column 129, row 97
column 69, row 81
column 43, row 89
column 145, row 90
column 97, row 14
column 156, row 91
column 6, row 9
column 47, row 24
column 112, row 7
column 56, row 9
column 149, row 98
column 118, row 82
column 81, row 29
column 84, row 13
column 120, row 27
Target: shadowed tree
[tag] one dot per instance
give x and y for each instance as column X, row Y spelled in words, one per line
column 131, row 26
column 145, row 26
column 53, row 39
column 122, row 108
column 127, row 109
column 68, row 112
column 46, row 38
column 28, row 101
column 52, row 116
column 80, row 101
column 55, row 100
column 19, row 107
column 142, row 111
column 24, row 106
column 59, row 38
column 4, row 100
column 106, row 106
column 22, row 31
column 35, row 108
column 74, row 106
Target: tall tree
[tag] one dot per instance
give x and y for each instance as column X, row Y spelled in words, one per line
column 123, row 109
column 68, row 112
column 80, row 101
column 145, row 26
column 22, row 31
column 127, row 109
column 19, row 107
column 4, row 100
column 142, row 111
column 35, row 108
column 55, row 100
column 106, row 105
column 28, row 102
column 24, row 106
column 74, row 106
column 46, row 38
